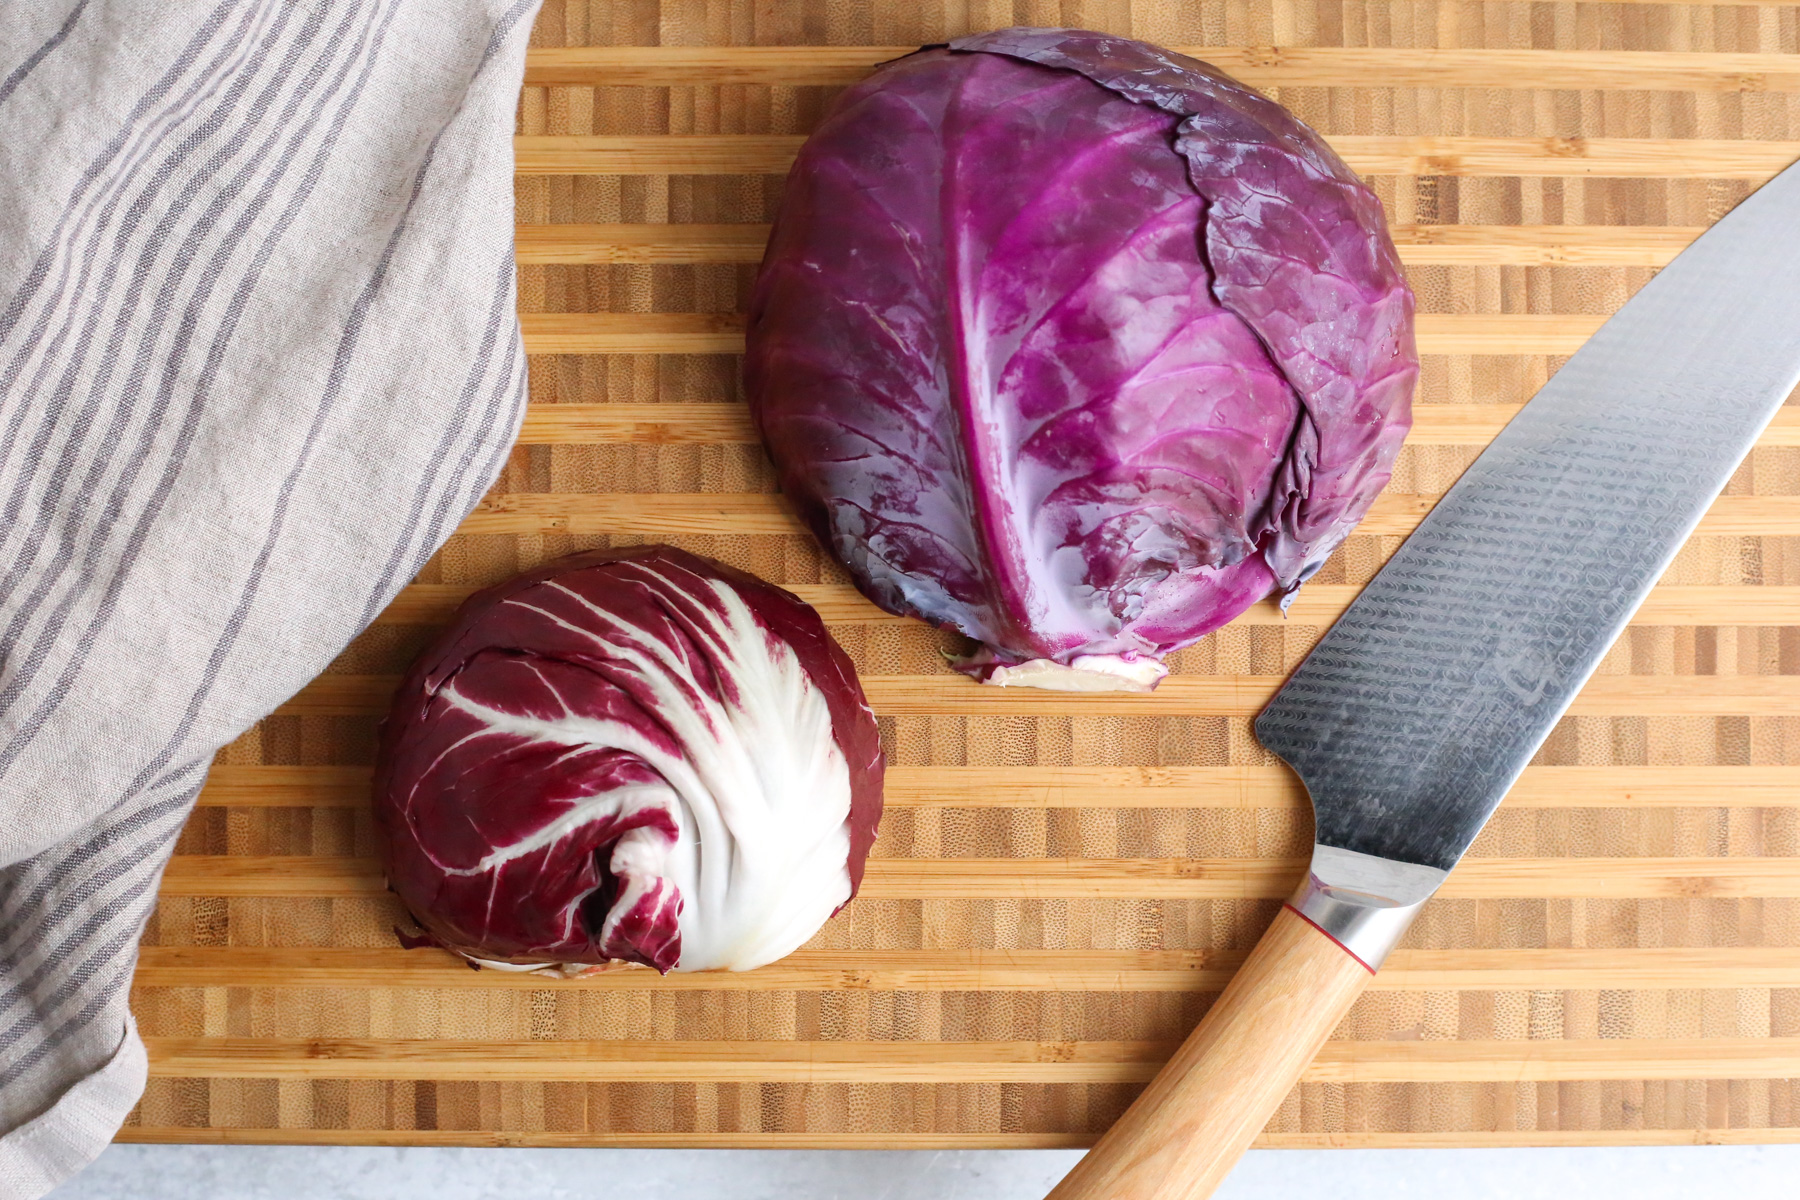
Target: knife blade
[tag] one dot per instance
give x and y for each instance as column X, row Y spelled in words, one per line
column 1417, row 711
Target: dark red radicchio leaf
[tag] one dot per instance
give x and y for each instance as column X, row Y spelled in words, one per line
column 630, row 755
column 1077, row 346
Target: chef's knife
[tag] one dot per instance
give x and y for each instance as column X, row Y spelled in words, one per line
column 1414, row 715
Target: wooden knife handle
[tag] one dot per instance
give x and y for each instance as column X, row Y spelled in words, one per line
column 1190, row 1126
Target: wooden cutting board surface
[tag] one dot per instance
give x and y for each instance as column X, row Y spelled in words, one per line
column 1062, row 883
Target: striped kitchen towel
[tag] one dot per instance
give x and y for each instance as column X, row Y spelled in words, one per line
column 258, row 357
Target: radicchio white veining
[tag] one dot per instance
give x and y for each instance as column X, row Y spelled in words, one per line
column 630, row 755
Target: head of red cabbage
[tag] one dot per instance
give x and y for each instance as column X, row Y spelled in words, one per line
column 1078, row 347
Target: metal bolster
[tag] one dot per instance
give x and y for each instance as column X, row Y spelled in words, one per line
column 1364, row 903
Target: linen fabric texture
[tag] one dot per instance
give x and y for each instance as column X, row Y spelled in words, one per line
column 258, row 357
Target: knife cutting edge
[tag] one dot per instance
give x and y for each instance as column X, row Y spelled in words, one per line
column 1412, row 717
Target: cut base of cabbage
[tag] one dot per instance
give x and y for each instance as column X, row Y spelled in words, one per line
column 1084, row 673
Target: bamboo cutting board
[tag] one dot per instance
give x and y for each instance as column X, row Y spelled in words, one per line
column 1062, row 883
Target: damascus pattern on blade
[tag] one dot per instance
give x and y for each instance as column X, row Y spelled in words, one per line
column 1417, row 711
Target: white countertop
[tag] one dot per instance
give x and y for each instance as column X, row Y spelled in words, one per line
column 335, row 1173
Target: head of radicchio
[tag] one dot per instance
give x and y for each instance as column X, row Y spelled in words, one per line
column 630, row 755
column 1076, row 346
